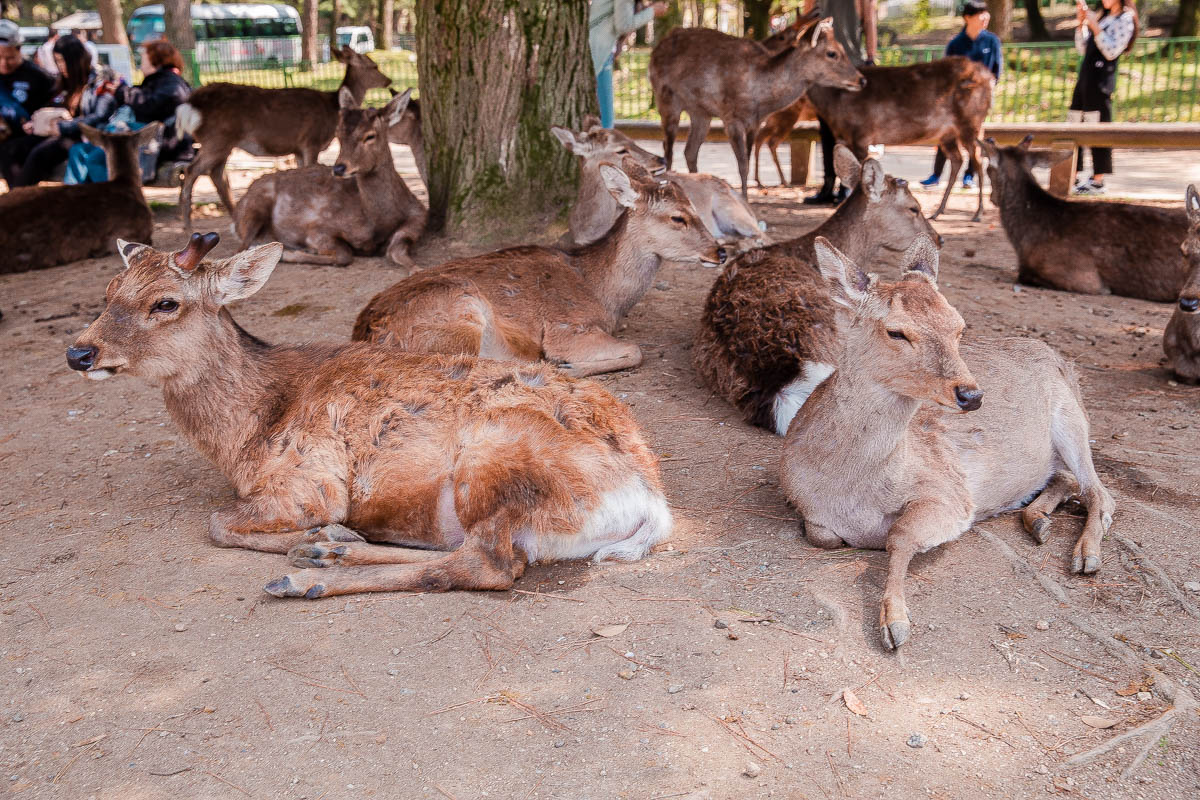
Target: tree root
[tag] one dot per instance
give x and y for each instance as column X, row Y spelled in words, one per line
column 1163, row 579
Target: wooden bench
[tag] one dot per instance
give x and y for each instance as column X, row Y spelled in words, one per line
column 1047, row 135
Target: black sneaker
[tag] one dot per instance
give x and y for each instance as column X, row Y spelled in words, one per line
column 825, row 197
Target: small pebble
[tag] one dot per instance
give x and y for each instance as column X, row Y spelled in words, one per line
column 180, row 627
column 752, row 770
column 675, row 688
column 916, row 740
column 18, row 717
column 1144, row 696
column 395, row 651
column 790, row 720
column 964, row 696
column 625, row 674
column 1042, row 625
column 721, row 624
column 1156, row 654
column 775, row 726
column 1042, row 769
column 1192, row 586
column 560, row 743
column 732, row 635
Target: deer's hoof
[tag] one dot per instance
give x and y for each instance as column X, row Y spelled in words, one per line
column 340, row 533
column 316, row 554
column 1085, row 566
column 895, row 634
column 1040, row 529
column 294, row 585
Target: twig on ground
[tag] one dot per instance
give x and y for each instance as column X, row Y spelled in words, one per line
column 266, row 716
column 548, row 594
column 1081, row 669
column 227, row 783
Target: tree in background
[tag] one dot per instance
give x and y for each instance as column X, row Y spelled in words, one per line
column 756, row 16
column 387, row 24
column 1001, row 24
column 178, row 17
column 308, row 31
column 110, row 21
column 1188, row 21
column 1037, row 24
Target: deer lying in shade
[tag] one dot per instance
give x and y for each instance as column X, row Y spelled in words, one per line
column 469, row 469
column 1181, row 339
column 902, row 448
column 532, row 303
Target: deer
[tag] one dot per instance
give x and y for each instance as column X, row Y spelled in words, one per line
column 325, row 216
column 534, row 303
column 722, row 210
column 265, row 122
column 767, row 336
column 775, row 129
column 1085, row 247
column 407, row 131
column 943, row 101
column 711, row 74
column 45, row 226
column 916, row 437
column 1181, row 339
column 373, row 469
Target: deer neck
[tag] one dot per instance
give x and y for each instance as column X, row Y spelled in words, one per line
column 782, row 82
column 383, row 192
column 123, row 167
column 354, row 82
column 617, row 268
column 845, row 229
column 593, row 205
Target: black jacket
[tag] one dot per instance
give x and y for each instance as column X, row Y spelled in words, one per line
column 158, row 96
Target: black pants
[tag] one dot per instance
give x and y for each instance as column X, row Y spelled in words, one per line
column 26, row 160
column 1102, row 161
column 827, row 145
column 13, row 153
column 939, row 164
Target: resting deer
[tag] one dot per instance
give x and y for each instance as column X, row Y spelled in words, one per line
column 468, row 469
column 1181, row 339
column 360, row 206
column 767, row 335
column 776, row 129
column 44, row 226
column 711, row 74
column 1079, row 246
column 265, row 122
column 531, row 303
column 881, row 456
column 722, row 210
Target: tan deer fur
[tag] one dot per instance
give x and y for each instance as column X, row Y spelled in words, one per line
column 776, row 129
column 1181, row 339
column 531, row 303
column 882, row 455
column 469, row 469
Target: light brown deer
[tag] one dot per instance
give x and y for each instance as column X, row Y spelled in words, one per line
column 327, row 215
column 767, row 336
column 265, row 122
column 882, row 455
column 469, row 469
column 1181, row 339
column 531, row 303
column 776, row 129
column 722, row 210
column 711, row 74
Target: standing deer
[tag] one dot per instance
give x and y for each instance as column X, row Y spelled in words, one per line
column 711, row 74
column 1080, row 246
column 943, row 101
column 874, row 460
column 1181, row 339
column 531, row 303
column 468, row 469
column 265, row 122
column 776, row 129
column 767, row 336
column 359, row 206
column 44, row 226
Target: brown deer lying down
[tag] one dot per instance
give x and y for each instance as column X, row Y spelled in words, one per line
column 776, row 129
column 44, row 226
column 874, row 460
column 473, row 468
column 531, row 303
column 1080, row 246
column 722, row 210
column 1181, row 339
column 265, row 122
column 711, row 74
column 767, row 337
column 360, row 206
column 943, row 101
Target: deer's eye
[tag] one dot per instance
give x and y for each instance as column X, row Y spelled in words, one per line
column 830, row 54
column 165, row 306
column 679, row 220
column 915, row 209
column 898, row 335
column 370, row 137
column 622, row 151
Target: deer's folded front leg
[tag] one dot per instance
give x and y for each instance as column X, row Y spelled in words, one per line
column 277, row 522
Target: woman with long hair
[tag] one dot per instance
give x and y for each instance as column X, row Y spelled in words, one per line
column 1102, row 36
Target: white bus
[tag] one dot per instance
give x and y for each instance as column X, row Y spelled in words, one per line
column 230, row 33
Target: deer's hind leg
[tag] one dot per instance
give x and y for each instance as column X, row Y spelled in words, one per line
column 1069, row 434
column 669, row 112
column 950, row 148
column 971, row 145
column 698, row 124
column 1036, row 516
column 589, row 351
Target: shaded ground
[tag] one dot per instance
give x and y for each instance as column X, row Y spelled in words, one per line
column 138, row 661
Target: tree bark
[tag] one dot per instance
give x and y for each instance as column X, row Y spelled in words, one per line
column 178, row 17
column 308, row 33
column 1188, row 21
column 1037, row 24
column 110, row 21
column 494, row 75
column 387, row 24
column 756, row 16
column 1001, row 24
column 334, row 13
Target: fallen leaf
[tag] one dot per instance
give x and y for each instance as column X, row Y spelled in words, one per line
column 1098, row 722
column 609, row 631
column 853, row 703
column 1136, row 685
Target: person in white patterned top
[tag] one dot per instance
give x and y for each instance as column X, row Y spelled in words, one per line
column 1102, row 36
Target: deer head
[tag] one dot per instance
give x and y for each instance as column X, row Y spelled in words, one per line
column 595, row 144
column 164, row 316
column 362, row 73
column 121, row 149
column 822, row 59
column 892, row 216
column 1008, row 167
column 904, row 335
column 362, row 134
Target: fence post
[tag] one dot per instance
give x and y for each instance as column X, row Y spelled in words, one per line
column 1062, row 174
column 801, row 153
column 193, row 66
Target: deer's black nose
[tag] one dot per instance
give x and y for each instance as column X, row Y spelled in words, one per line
column 1189, row 304
column 968, row 399
column 339, row 170
column 862, row 82
column 721, row 255
column 81, row 358
column 940, row 240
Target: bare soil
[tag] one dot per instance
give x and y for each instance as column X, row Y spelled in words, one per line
column 139, row 661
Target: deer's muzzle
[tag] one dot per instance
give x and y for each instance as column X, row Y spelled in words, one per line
column 81, row 358
column 1189, row 305
column 968, row 398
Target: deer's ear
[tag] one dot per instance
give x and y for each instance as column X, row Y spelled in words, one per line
column 921, row 258
column 91, row 135
column 394, row 110
column 1193, row 205
column 846, row 166
column 591, row 121
column 346, row 98
column 988, row 145
column 874, row 180
column 848, row 285
column 131, row 250
column 148, row 133
column 1047, row 158
column 619, row 185
column 245, row 273
column 567, row 139
column 1024, row 143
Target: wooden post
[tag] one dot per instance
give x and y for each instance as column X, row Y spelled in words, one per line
column 801, row 152
column 1062, row 174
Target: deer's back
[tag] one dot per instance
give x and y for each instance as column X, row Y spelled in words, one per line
column 703, row 66
column 272, row 121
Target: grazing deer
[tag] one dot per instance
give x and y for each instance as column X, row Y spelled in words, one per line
column 265, row 122
column 722, row 210
column 767, row 336
column 1181, row 339
column 776, row 129
column 407, row 131
column 874, row 460
column 44, row 226
column 1080, row 246
column 469, row 468
column 530, row 303
column 359, row 206
column 711, row 74
column 943, row 101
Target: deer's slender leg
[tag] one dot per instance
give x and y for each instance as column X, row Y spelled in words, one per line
column 1070, row 433
column 757, row 152
column 783, row 181
column 950, row 148
column 697, row 133
column 1036, row 516
column 203, row 164
column 669, row 114
column 737, row 140
column 590, row 352
column 976, row 165
column 356, row 554
column 217, row 175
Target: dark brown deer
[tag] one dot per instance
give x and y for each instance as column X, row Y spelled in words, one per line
column 944, row 102
column 408, row 132
column 1181, row 339
column 711, row 74
column 265, row 122
column 375, row 469
column 44, row 226
column 326, row 215
column 767, row 337
column 882, row 455
column 1080, row 246
column 776, row 129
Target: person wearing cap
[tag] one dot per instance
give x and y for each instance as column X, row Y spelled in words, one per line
column 23, row 87
column 979, row 44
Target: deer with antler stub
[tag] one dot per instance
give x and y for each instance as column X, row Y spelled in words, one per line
column 914, row 437
column 372, row 468
column 1181, row 339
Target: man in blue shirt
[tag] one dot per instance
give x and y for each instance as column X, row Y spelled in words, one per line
column 977, row 43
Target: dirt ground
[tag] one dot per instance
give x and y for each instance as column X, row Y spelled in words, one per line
column 139, row 661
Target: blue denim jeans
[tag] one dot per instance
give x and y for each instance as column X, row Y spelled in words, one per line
column 86, row 164
column 604, row 93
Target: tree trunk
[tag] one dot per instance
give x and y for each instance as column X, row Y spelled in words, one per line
column 110, row 21
column 1037, row 24
column 1188, row 21
column 178, row 17
column 387, row 23
column 333, row 22
column 308, row 32
column 756, row 16
column 1001, row 24
column 494, row 75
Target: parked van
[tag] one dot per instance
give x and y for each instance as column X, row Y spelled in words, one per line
column 357, row 37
